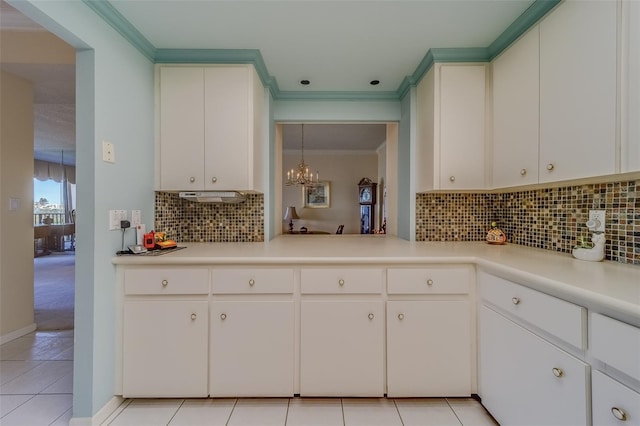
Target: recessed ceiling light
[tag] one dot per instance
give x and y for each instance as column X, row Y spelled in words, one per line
column 305, row 82
column 374, row 82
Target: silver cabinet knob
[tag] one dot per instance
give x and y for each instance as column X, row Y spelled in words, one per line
column 452, row 178
column 557, row 372
column 251, row 282
column 515, row 300
column 341, row 282
column 523, row 172
column 429, row 281
column 619, row 414
column 371, row 316
column 165, row 283
column 193, row 317
column 192, row 179
column 550, row 167
column 400, row 317
column 223, row 316
column 214, row 179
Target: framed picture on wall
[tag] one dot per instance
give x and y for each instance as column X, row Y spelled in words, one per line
column 316, row 196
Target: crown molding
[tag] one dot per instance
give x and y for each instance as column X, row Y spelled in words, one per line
column 111, row 16
column 526, row 20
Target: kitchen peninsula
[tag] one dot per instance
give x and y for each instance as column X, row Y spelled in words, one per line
column 376, row 315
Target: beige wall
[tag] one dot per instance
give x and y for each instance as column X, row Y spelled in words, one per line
column 16, row 224
column 343, row 170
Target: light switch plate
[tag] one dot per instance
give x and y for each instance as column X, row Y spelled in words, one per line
column 136, row 217
column 108, row 152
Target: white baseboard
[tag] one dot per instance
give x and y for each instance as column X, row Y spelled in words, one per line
column 101, row 416
column 17, row 333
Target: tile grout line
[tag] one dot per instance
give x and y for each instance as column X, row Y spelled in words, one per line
column 344, row 421
column 286, row 417
column 176, row 412
column 454, row 411
column 398, row 411
column 231, row 412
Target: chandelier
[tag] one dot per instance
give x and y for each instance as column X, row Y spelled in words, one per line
column 301, row 175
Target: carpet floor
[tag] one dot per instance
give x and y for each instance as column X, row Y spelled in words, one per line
column 54, row 290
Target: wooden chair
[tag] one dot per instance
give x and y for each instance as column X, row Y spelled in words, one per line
column 339, row 230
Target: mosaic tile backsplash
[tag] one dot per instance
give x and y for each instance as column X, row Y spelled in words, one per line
column 187, row 221
column 550, row 218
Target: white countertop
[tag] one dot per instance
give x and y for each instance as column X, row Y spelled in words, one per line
column 607, row 287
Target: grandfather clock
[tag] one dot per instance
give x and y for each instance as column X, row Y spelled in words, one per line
column 367, row 200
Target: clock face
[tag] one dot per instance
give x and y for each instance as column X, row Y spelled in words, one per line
column 365, row 195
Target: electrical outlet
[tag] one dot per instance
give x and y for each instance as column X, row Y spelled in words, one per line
column 597, row 220
column 136, row 217
column 115, row 217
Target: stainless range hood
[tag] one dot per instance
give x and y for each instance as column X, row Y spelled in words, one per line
column 229, row 197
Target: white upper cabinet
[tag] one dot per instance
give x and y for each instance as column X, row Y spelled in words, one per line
column 630, row 90
column 451, row 127
column 578, row 91
column 211, row 128
column 516, row 86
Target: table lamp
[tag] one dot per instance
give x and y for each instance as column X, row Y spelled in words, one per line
column 289, row 215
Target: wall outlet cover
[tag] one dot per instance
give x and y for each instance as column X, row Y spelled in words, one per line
column 598, row 217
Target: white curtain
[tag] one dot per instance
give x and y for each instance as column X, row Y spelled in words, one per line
column 45, row 170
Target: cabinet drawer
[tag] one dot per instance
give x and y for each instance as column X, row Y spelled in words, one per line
column 612, row 402
column 256, row 281
column 616, row 344
column 356, row 280
column 166, row 281
column 428, row 281
column 555, row 316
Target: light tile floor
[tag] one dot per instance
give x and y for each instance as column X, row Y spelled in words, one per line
column 36, row 382
column 302, row 412
column 36, row 379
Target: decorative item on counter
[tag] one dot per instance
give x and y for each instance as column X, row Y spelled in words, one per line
column 495, row 235
column 591, row 251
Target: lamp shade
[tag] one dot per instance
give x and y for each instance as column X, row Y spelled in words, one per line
column 291, row 213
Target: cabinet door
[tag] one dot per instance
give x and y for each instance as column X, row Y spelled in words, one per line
column 577, row 91
column 428, row 348
column 462, row 126
column 181, row 128
column 613, row 402
column 252, row 350
column 228, row 128
column 516, row 83
column 630, row 90
column 341, row 348
column 165, row 349
column 525, row 380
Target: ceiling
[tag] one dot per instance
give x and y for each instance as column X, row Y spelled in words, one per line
column 339, row 46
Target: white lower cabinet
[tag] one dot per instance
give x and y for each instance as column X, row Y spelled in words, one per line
column 164, row 349
column 525, row 380
column 252, row 348
column 342, row 348
column 613, row 402
column 428, row 348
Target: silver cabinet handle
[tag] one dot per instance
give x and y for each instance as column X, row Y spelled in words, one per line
column 223, row 316
column 371, row 316
column 214, row 179
column 550, row 167
column 193, row 317
column 523, row 172
column 165, row 283
column 192, row 179
column 251, row 282
column 515, row 300
column 341, row 282
column 557, row 372
column 429, row 281
column 400, row 317
column 619, row 414
column 452, row 178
